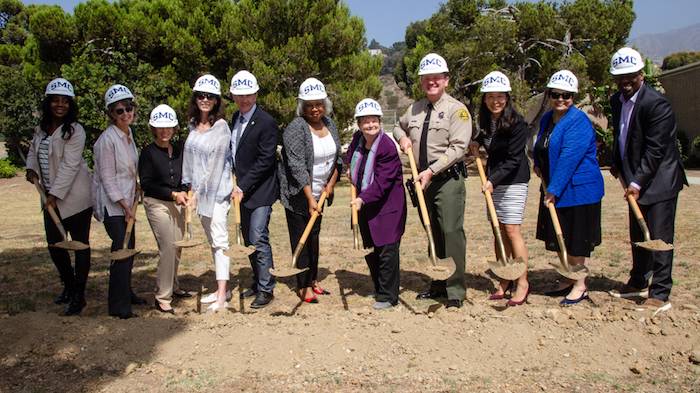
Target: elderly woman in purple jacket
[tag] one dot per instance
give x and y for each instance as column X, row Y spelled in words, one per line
column 375, row 170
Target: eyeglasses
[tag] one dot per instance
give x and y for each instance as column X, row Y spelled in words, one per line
column 120, row 111
column 556, row 96
column 207, row 96
column 314, row 105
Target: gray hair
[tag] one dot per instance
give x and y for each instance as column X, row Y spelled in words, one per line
column 326, row 103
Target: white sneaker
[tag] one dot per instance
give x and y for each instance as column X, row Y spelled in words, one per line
column 211, row 298
column 215, row 307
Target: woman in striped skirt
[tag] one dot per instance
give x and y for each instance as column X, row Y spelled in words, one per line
column 504, row 134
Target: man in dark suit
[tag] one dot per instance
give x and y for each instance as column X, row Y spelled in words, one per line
column 253, row 147
column 647, row 160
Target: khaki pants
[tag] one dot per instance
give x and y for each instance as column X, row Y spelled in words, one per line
column 168, row 225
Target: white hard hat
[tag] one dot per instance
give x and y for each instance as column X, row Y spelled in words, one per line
column 207, row 84
column 163, row 116
column 432, row 63
column 368, row 107
column 495, row 82
column 60, row 87
column 117, row 93
column 564, row 80
column 312, row 89
column 244, row 83
column 626, row 61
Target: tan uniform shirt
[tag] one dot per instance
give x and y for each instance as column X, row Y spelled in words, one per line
column 449, row 131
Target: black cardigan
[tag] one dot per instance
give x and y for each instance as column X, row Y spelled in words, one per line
column 507, row 162
column 161, row 175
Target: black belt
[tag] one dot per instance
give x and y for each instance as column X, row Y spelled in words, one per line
column 452, row 172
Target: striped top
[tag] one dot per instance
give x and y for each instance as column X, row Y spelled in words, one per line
column 43, row 156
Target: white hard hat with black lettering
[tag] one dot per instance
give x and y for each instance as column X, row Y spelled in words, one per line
column 368, row 107
column 432, row 63
column 563, row 80
column 244, row 83
column 207, row 84
column 495, row 82
column 60, row 87
column 117, row 93
column 163, row 116
column 626, row 61
column 312, row 89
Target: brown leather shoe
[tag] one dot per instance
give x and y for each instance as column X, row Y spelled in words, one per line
column 654, row 305
column 627, row 292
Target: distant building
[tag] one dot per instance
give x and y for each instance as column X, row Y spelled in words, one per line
column 376, row 52
column 681, row 90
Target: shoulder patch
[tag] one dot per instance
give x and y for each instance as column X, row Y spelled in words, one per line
column 463, row 114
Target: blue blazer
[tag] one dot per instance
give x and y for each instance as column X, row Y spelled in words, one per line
column 574, row 174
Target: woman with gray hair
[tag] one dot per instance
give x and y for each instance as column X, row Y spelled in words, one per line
column 310, row 165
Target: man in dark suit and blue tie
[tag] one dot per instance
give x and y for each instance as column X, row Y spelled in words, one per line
column 646, row 158
column 253, row 147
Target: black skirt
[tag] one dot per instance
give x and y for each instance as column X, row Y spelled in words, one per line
column 580, row 226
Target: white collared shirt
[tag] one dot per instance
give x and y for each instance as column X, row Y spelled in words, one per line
column 116, row 169
column 239, row 128
column 625, row 119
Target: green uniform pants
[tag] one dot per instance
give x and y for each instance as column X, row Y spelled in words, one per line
column 445, row 201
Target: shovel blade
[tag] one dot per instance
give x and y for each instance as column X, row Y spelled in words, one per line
column 511, row 270
column 577, row 272
column 654, row 245
column 187, row 243
column 236, row 251
column 123, row 254
column 71, row 245
column 286, row 271
column 442, row 270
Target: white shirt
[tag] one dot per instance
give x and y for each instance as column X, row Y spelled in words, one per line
column 43, row 156
column 239, row 128
column 116, row 169
column 625, row 119
column 324, row 155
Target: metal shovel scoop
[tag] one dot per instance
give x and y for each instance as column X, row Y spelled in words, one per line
column 238, row 249
column 65, row 243
column 357, row 244
column 293, row 270
column 648, row 244
column 505, row 268
column 125, row 251
column 440, row 268
column 564, row 268
column 188, row 241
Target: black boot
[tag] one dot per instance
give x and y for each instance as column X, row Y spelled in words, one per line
column 77, row 302
column 64, row 297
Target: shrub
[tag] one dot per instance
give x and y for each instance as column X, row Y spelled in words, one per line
column 7, row 170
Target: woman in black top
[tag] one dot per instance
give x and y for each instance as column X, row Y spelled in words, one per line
column 508, row 172
column 160, row 170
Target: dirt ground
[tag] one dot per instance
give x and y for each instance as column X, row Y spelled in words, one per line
column 342, row 344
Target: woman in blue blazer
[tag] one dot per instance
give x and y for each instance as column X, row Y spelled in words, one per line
column 565, row 159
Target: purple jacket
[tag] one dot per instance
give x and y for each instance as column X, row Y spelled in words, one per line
column 384, row 208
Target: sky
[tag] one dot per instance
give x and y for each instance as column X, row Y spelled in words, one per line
column 386, row 20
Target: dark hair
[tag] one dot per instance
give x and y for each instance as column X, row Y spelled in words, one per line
column 68, row 120
column 505, row 122
column 126, row 102
column 217, row 112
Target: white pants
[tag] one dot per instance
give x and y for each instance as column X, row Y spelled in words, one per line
column 216, row 229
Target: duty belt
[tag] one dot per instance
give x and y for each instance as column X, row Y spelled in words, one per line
column 452, row 172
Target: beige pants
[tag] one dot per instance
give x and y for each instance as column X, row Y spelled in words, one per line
column 168, row 226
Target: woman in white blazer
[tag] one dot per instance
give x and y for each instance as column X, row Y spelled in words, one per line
column 114, row 189
column 55, row 159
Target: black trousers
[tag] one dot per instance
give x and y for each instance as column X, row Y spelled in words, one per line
column 296, row 223
column 383, row 263
column 657, row 265
column 119, row 293
column 78, row 227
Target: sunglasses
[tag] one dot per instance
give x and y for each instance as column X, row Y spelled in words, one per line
column 120, row 111
column 208, row 96
column 556, row 96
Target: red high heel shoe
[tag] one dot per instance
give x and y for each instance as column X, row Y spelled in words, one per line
column 509, row 288
column 513, row 303
column 312, row 299
column 320, row 291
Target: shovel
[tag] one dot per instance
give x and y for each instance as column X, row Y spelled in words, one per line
column 125, row 251
column 648, row 244
column 355, row 220
column 293, row 270
column 188, row 241
column 571, row 272
column 440, row 269
column 238, row 249
column 65, row 243
column 505, row 268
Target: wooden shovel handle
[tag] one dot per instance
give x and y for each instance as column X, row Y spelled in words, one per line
column 487, row 195
column 130, row 222
column 419, row 188
column 637, row 214
column 52, row 212
column 353, row 195
column 307, row 230
column 236, row 205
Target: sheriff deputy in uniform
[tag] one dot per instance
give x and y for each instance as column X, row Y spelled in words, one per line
column 438, row 129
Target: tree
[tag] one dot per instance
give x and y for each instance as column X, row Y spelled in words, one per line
column 679, row 59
